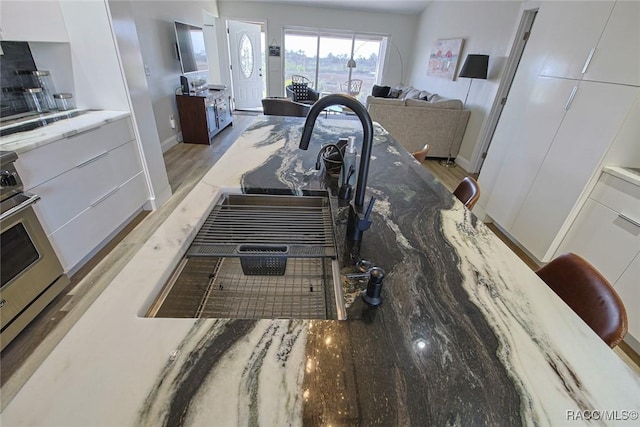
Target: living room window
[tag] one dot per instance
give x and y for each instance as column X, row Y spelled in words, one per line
column 322, row 56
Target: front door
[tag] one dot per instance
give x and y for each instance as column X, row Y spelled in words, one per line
column 246, row 64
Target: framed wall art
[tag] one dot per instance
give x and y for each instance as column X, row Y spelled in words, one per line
column 443, row 59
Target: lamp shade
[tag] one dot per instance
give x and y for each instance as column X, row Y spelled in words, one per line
column 475, row 67
column 351, row 63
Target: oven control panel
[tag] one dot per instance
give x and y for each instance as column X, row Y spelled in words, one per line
column 10, row 182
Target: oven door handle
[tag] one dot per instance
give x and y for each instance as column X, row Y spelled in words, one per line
column 32, row 198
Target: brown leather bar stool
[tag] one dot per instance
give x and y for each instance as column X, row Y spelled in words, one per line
column 589, row 294
column 421, row 155
column 468, row 192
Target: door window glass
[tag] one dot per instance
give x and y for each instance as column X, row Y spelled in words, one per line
column 246, row 56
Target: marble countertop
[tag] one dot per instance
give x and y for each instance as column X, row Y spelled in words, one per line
column 631, row 175
column 25, row 141
column 467, row 333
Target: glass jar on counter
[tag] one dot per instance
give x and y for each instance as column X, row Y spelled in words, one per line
column 43, row 79
column 35, row 99
column 64, row 101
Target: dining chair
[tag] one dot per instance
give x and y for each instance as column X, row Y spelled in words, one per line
column 589, row 295
column 468, row 192
column 421, row 155
column 352, row 87
column 296, row 78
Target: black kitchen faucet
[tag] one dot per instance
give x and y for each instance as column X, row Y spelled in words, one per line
column 358, row 221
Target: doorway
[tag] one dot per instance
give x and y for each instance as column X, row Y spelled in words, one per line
column 517, row 50
column 247, row 61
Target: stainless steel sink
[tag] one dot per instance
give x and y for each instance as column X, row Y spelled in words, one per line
column 257, row 257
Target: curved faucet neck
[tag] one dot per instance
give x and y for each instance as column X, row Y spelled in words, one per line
column 367, row 133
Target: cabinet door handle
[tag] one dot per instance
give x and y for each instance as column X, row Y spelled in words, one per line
column 103, row 198
column 570, row 100
column 631, row 220
column 588, row 61
column 75, row 132
column 91, row 160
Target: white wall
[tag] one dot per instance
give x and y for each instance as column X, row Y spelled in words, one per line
column 401, row 29
column 154, row 23
column 124, row 30
column 487, row 27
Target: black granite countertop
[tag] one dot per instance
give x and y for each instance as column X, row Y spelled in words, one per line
column 467, row 333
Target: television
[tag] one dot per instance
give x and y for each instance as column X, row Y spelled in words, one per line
column 191, row 50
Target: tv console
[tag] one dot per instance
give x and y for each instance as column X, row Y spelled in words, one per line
column 204, row 115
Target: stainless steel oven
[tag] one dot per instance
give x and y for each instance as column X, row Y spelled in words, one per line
column 30, row 273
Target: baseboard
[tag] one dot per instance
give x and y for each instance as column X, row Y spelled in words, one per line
column 74, row 269
column 463, row 163
column 158, row 201
column 169, row 142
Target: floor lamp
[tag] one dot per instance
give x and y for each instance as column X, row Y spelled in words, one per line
column 474, row 67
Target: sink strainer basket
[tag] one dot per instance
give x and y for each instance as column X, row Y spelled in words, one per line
column 263, row 260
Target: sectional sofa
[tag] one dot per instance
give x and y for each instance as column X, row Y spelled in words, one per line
column 416, row 118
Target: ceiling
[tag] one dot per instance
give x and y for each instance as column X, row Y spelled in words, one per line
column 406, row 7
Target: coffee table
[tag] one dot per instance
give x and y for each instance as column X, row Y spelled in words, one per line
column 333, row 109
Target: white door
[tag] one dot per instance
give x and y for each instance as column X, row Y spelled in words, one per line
column 246, row 64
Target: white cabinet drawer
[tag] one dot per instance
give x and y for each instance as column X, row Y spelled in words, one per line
column 604, row 239
column 628, row 287
column 46, row 162
column 619, row 195
column 85, row 233
column 67, row 195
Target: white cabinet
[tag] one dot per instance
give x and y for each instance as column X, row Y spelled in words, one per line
column 561, row 124
column 606, row 233
column 107, row 213
column 33, row 21
column 570, row 31
column 617, row 55
column 527, row 143
column 73, row 150
column 90, row 183
column 628, row 287
column 603, row 238
column 576, row 152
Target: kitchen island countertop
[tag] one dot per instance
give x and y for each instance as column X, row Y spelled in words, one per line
column 467, row 333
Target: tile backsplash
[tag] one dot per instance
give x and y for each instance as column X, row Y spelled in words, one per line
column 17, row 57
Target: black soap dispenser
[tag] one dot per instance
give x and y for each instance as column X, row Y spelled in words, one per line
column 373, row 294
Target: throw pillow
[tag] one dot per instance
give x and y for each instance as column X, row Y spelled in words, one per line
column 380, row 91
column 301, row 92
column 424, row 95
column 411, row 93
column 394, row 93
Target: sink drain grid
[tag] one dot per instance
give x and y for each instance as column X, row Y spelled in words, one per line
column 217, row 288
column 299, row 294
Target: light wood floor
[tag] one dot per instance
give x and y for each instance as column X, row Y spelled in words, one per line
column 186, row 165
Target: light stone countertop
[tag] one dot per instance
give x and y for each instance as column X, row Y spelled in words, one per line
column 25, row 141
column 467, row 335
